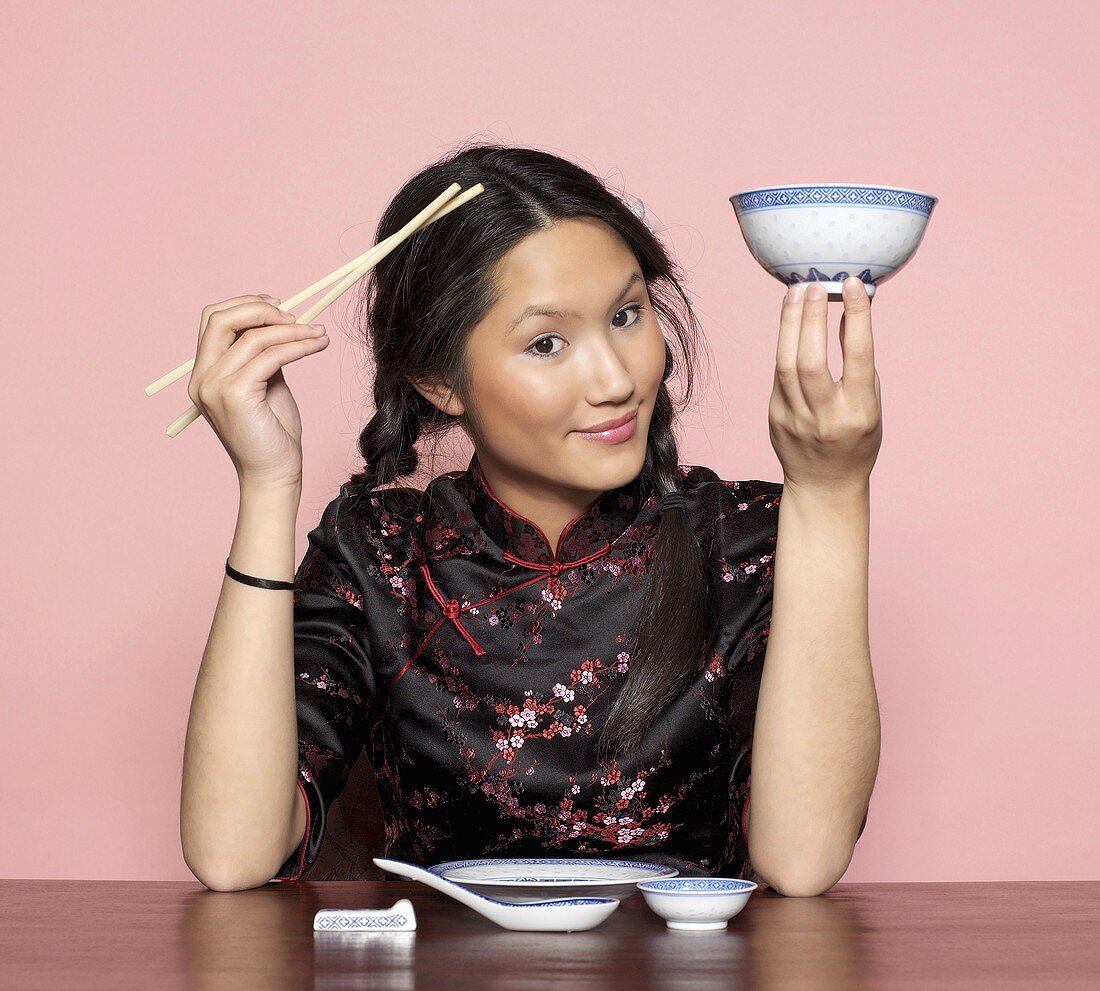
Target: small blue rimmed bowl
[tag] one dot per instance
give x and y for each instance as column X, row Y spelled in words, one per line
column 827, row 231
column 696, row 903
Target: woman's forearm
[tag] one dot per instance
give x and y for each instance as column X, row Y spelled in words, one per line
column 240, row 802
column 817, row 736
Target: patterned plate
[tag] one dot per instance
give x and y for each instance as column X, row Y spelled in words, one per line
column 528, row 879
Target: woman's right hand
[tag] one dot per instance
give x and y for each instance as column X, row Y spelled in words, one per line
column 237, row 383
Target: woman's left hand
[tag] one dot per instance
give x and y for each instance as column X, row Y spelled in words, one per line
column 826, row 434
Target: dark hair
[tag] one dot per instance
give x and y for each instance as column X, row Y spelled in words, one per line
column 421, row 303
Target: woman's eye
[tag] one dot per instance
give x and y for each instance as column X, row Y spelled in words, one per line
column 549, row 337
column 627, row 309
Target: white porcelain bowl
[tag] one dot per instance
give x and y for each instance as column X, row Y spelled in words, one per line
column 699, row 903
column 827, row 231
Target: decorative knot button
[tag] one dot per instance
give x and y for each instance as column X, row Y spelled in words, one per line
column 452, row 609
column 556, row 568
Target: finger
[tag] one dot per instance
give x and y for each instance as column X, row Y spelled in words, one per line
column 225, row 323
column 786, row 351
column 255, row 341
column 817, row 384
column 271, row 360
column 208, row 311
column 857, row 343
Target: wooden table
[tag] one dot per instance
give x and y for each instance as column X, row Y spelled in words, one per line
column 172, row 934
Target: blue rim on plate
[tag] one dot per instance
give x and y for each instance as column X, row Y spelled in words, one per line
column 655, row 871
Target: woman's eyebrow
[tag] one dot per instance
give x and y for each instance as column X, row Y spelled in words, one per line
column 543, row 311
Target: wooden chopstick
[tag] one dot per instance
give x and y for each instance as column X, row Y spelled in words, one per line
column 344, row 278
column 366, row 261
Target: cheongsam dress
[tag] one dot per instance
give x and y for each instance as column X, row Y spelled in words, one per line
column 439, row 630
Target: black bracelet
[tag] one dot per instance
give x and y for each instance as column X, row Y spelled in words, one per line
column 257, row 582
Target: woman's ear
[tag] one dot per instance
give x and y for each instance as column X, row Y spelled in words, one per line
column 440, row 395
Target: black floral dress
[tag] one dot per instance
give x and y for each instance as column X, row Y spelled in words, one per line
column 441, row 631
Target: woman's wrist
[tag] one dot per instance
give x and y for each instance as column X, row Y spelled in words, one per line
column 270, row 488
column 263, row 544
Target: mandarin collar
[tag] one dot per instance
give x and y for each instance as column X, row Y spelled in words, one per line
column 599, row 524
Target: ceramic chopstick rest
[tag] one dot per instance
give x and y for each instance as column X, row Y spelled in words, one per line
column 399, row 918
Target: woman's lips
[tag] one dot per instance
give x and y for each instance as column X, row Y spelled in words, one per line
column 616, row 435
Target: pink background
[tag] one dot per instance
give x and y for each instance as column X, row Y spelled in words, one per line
column 161, row 157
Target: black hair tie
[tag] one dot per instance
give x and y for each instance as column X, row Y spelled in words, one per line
column 675, row 498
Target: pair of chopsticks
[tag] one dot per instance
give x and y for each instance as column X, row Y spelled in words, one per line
column 345, row 277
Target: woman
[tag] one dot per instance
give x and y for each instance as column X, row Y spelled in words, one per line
column 558, row 650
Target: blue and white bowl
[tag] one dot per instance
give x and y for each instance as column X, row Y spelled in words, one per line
column 827, row 231
column 699, row 903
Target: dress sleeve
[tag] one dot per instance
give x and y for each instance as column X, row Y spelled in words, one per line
column 334, row 680
column 747, row 540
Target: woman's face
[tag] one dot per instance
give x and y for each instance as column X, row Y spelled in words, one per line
column 536, row 382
